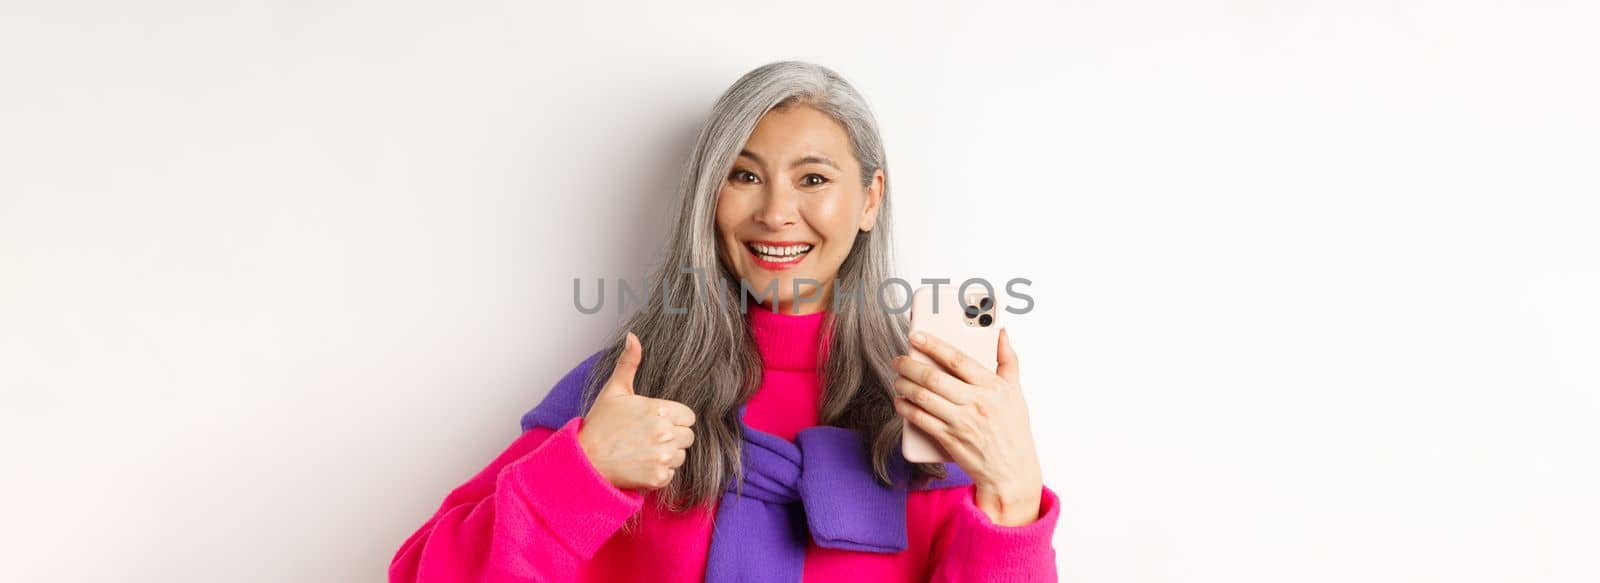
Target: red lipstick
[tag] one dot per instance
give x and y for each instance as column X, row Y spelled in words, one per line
column 770, row 264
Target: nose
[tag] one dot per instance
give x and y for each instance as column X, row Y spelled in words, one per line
column 779, row 209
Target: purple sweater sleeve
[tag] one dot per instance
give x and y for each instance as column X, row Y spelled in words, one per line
column 538, row 512
column 974, row 548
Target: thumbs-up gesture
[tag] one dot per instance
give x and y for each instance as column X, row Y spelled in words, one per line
column 636, row 442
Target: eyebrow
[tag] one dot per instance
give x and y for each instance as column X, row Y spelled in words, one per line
column 812, row 159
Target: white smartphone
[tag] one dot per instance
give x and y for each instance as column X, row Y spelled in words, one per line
column 968, row 321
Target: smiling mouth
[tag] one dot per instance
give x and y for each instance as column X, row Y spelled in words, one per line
column 778, row 253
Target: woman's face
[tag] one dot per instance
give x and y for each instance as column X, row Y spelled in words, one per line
column 791, row 206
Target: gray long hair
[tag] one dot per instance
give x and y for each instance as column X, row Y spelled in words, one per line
column 704, row 355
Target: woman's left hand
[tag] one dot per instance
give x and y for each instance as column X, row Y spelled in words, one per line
column 979, row 417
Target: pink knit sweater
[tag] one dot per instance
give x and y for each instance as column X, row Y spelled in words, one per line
column 541, row 512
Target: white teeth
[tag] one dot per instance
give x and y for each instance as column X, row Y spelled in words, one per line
column 780, row 253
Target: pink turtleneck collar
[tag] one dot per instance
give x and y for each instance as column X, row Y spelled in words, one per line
column 791, row 347
column 787, row 341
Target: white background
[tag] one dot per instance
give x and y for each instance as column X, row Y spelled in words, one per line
column 1315, row 282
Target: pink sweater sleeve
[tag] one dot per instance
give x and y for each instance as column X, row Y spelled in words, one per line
column 970, row 547
column 537, row 513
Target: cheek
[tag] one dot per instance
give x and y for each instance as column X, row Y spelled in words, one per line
column 834, row 220
column 726, row 223
column 725, row 212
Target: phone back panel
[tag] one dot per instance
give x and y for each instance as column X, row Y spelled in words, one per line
column 951, row 324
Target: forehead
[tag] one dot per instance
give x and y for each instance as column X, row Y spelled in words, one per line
column 788, row 134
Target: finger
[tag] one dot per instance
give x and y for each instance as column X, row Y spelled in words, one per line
column 922, row 419
column 926, row 399
column 621, row 381
column 663, row 478
column 676, row 458
column 952, row 358
column 679, row 436
column 678, row 413
column 1008, row 369
column 932, row 377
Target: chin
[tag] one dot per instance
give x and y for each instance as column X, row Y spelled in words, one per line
column 785, row 286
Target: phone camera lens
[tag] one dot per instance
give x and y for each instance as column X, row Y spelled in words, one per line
column 972, row 311
column 986, row 303
column 985, row 320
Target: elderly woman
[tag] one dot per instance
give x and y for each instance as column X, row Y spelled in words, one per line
column 727, row 440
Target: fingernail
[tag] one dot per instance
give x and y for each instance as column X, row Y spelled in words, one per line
column 918, row 337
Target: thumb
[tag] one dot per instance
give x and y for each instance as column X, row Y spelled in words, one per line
column 1007, row 360
column 621, row 381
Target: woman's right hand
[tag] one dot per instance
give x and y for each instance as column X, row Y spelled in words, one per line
column 635, row 442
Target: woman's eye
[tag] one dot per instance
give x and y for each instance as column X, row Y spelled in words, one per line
column 742, row 175
column 820, row 180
